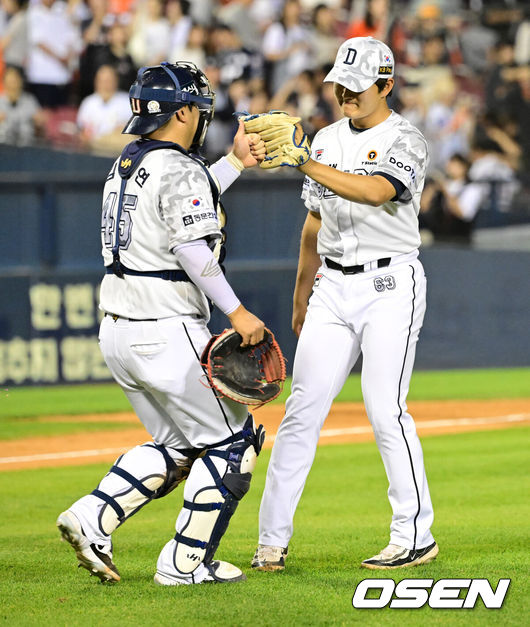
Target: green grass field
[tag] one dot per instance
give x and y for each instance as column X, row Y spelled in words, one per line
column 21, row 407
column 479, row 484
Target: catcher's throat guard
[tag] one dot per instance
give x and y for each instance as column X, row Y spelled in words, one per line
column 252, row 375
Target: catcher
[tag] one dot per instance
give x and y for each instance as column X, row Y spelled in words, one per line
column 162, row 244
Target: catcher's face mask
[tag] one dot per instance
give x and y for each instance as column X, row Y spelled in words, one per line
column 161, row 90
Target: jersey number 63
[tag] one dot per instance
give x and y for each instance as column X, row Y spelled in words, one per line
column 384, row 283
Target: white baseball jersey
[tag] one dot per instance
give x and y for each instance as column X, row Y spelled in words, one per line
column 353, row 233
column 167, row 202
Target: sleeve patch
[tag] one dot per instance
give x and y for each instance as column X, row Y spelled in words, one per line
column 195, row 203
column 195, row 218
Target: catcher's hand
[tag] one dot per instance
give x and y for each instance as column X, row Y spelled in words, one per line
column 252, row 375
column 286, row 143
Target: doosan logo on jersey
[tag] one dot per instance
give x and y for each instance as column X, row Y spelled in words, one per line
column 400, row 164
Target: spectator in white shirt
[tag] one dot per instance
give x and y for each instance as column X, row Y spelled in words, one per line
column 194, row 50
column 180, row 23
column 151, row 34
column 54, row 45
column 286, row 46
column 103, row 114
column 325, row 40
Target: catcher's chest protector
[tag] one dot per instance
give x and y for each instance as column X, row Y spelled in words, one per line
column 128, row 164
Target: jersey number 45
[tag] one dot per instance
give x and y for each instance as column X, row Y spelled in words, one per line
column 108, row 221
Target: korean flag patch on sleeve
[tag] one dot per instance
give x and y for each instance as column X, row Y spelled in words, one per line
column 196, row 209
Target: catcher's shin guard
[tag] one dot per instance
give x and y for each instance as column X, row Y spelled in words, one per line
column 142, row 474
column 217, row 482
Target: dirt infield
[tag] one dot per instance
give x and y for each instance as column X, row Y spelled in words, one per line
column 347, row 422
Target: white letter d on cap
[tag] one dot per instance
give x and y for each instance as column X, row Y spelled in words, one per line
column 385, row 585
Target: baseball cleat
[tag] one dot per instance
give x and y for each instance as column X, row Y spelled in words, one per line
column 97, row 559
column 218, row 572
column 394, row 556
column 269, row 558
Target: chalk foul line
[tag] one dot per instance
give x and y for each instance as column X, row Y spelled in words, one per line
column 325, row 433
column 425, row 424
column 64, row 455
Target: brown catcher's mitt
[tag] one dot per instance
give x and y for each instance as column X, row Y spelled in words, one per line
column 252, row 375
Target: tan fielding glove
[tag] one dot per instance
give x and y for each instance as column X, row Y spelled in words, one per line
column 285, row 141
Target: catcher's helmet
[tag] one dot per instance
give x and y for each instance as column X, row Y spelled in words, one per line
column 160, row 90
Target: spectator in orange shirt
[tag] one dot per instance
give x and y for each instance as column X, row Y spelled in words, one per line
column 121, row 7
column 375, row 22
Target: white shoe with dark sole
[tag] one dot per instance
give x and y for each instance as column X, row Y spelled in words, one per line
column 394, row 556
column 218, row 572
column 269, row 558
column 96, row 559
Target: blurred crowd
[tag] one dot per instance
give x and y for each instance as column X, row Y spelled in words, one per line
column 462, row 76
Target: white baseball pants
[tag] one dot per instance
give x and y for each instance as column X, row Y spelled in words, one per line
column 157, row 364
column 379, row 312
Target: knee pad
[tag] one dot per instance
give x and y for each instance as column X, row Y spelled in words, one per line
column 137, row 477
column 217, row 482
